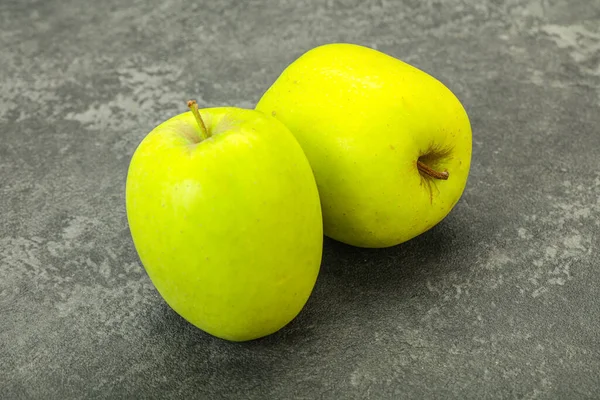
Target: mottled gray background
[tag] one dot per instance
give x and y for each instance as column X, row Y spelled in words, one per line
column 501, row 300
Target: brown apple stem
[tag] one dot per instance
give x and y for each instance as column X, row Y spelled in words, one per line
column 424, row 168
column 193, row 106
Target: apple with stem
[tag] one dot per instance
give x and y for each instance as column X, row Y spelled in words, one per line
column 225, row 215
column 390, row 146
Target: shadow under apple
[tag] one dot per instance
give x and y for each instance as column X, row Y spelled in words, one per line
column 362, row 283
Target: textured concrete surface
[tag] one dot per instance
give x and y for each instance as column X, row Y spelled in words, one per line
column 501, row 300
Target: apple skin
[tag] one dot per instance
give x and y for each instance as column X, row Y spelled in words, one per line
column 364, row 119
column 229, row 228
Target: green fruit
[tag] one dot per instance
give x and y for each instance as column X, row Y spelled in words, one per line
column 225, row 215
column 390, row 146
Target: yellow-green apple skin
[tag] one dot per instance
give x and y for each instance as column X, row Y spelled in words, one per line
column 228, row 228
column 364, row 119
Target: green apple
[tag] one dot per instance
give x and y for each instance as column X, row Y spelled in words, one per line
column 390, row 146
column 225, row 215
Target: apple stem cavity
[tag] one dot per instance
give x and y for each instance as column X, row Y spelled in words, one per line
column 193, row 106
column 425, row 169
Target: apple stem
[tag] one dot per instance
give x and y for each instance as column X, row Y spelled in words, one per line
column 193, row 106
column 424, row 168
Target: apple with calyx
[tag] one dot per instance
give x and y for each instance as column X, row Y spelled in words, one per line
column 390, row 146
column 225, row 215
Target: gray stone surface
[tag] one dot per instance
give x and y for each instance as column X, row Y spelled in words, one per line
column 501, row 300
